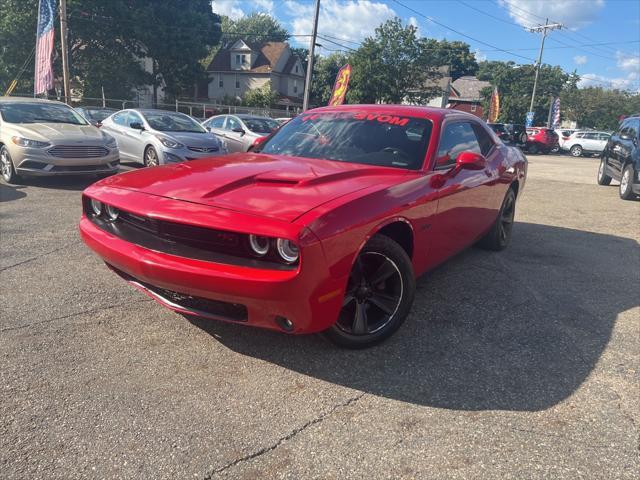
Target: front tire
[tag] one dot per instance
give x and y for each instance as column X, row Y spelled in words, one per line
column 533, row 149
column 603, row 178
column 151, row 157
column 626, row 183
column 7, row 168
column 378, row 298
column 499, row 237
column 576, row 151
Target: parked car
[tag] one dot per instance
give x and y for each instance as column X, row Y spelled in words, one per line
column 156, row 137
column 580, row 143
column 518, row 133
column 564, row 134
column 42, row 137
column 500, row 129
column 541, row 139
column 95, row 115
column 324, row 230
column 241, row 132
column 620, row 159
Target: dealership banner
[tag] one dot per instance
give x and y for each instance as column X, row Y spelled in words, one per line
column 341, row 85
column 494, row 106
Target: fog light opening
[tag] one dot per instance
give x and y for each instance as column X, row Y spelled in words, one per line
column 284, row 323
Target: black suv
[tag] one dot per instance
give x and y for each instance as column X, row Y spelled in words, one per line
column 620, row 159
column 510, row 133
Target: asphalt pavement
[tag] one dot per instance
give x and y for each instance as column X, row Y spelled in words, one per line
column 519, row 364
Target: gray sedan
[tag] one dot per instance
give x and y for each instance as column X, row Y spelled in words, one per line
column 241, row 132
column 157, row 137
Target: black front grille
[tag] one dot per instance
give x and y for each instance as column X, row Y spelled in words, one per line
column 79, row 168
column 188, row 241
column 197, row 305
column 203, row 149
column 78, row 151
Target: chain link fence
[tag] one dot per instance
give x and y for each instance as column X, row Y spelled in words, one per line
column 198, row 110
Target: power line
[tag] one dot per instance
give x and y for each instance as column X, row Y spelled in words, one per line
column 431, row 19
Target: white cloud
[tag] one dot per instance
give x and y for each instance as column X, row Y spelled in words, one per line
column 628, row 63
column 265, row 6
column 228, row 8
column 574, row 14
column 344, row 19
column 630, row 82
column 580, row 59
column 480, row 55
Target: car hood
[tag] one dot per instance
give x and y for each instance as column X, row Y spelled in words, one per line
column 59, row 132
column 265, row 185
column 192, row 139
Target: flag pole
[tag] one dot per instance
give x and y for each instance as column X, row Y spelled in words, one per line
column 65, row 53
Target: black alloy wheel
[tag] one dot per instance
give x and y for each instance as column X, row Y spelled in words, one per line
column 378, row 297
column 499, row 237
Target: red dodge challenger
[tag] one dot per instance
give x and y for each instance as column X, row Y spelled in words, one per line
column 324, row 229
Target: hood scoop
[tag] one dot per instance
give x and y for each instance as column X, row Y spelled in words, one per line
column 259, row 179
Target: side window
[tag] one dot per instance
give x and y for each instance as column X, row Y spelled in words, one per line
column 579, row 135
column 120, row 118
column 232, row 123
column 457, row 138
column 634, row 128
column 485, row 141
column 217, row 122
column 590, row 136
column 603, row 136
column 133, row 118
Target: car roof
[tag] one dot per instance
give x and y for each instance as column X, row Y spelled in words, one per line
column 431, row 113
column 155, row 110
column 248, row 115
column 28, row 100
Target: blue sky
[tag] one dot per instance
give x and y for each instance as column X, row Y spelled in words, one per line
column 493, row 25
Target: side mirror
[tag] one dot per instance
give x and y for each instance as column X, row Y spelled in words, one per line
column 470, row 161
column 136, row 126
column 239, row 130
column 208, row 129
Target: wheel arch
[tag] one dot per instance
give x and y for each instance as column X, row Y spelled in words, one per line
column 398, row 229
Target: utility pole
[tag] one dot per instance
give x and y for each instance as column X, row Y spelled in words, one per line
column 544, row 29
column 312, row 50
column 65, row 51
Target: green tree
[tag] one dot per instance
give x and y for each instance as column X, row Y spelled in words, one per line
column 515, row 84
column 325, row 71
column 390, row 67
column 255, row 27
column 454, row 54
column 17, row 20
column 596, row 107
column 262, row 97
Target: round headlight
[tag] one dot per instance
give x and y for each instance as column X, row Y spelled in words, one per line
column 96, row 206
column 259, row 245
column 112, row 212
column 288, row 250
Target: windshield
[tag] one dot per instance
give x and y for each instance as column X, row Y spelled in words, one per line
column 355, row 137
column 98, row 114
column 19, row 112
column 172, row 122
column 260, row 125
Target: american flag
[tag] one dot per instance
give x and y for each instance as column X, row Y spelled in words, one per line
column 44, row 46
column 555, row 113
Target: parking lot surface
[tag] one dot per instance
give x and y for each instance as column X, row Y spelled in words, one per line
column 520, row 364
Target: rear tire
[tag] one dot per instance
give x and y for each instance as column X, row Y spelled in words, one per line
column 603, row 178
column 378, row 298
column 499, row 237
column 576, row 151
column 626, row 183
column 8, row 169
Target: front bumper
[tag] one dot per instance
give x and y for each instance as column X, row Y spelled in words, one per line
column 308, row 296
column 176, row 155
column 38, row 162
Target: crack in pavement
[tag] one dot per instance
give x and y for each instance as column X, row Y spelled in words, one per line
column 281, row 440
column 29, row 260
column 90, row 310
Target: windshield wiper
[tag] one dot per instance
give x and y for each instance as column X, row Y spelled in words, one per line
column 54, row 120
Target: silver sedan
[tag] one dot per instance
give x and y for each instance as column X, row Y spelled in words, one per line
column 241, row 132
column 158, row 137
column 42, row 137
